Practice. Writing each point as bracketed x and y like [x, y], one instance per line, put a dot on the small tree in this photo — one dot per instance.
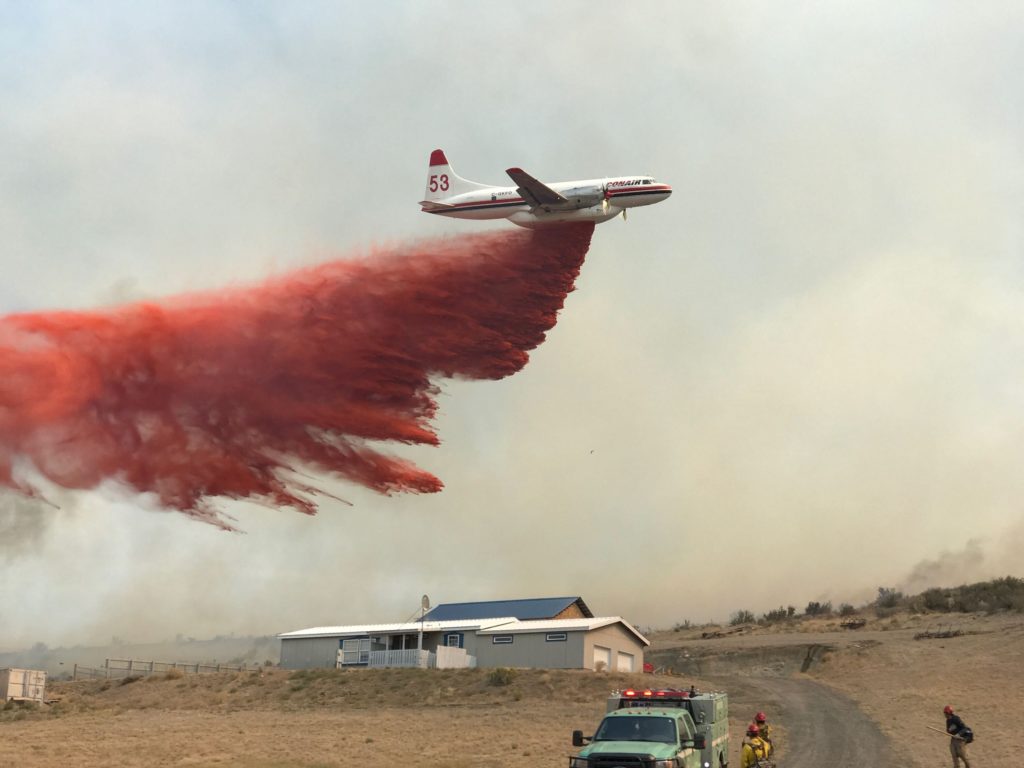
[774, 615]
[742, 616]
[888, 597]
[847, 610]
[815, 608]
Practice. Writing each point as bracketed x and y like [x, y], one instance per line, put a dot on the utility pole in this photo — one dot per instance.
[424, 605]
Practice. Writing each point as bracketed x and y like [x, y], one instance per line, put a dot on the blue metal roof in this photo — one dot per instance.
[525, 610]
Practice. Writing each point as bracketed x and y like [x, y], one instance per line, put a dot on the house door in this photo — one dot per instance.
[625, 662]
[602, 658]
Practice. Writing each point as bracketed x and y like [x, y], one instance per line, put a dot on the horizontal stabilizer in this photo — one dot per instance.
[431, 205]
[534, 192]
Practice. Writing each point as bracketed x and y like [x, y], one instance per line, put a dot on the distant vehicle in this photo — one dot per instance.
[532, 203]
[658, 729]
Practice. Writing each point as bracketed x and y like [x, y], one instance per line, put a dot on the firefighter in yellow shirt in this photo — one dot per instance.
[764, 731]
[754, 750]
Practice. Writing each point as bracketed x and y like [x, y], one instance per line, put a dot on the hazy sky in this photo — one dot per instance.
[797, 379]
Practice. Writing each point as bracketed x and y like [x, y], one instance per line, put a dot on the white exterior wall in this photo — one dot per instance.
[309, 652]
[532, 650]
[617, 639]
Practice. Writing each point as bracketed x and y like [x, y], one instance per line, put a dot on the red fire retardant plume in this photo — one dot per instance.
[222, 394]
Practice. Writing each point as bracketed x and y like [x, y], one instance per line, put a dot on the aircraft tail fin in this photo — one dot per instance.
[443, 182]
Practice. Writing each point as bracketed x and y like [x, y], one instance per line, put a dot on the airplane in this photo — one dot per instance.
[532, 203]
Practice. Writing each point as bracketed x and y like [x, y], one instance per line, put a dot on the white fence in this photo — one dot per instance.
[406, 658]
[453, 658]
[445, 658]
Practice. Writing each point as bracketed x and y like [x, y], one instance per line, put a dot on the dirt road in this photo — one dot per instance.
[822, 728]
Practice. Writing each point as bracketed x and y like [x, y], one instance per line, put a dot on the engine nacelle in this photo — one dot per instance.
[588, 194]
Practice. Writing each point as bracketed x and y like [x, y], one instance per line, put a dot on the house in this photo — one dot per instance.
[544, 633]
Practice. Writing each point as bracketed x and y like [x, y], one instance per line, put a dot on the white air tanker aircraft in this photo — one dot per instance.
[532, 203]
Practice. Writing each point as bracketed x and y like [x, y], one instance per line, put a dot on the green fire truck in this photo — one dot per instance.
[664, 728]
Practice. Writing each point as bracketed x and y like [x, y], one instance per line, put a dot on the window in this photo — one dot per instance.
[454, 640]
[555, 637]
[643, 728]
[502, 639]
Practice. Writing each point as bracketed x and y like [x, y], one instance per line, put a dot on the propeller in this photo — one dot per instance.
[605, 205]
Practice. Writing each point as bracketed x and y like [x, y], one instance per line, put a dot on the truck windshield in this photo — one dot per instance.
[637, 729]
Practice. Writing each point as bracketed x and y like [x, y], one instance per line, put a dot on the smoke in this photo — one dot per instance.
[948, 569]
[22, 524]
[978, 560]
[231, 395]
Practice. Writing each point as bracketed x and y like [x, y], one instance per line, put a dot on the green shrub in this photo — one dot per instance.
[818, 609]
[501, 676]
[888, 597]
[774, 615]
[1005, 594]
[935, 600]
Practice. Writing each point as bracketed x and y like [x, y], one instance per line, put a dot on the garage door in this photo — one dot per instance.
[625, 662]
[602, 658]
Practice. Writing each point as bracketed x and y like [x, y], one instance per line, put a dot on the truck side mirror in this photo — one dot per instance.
[699, 743]
[577, 738]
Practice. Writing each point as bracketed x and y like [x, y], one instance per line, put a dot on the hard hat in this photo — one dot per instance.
[753, 730]
[947, 710]
[760, 717]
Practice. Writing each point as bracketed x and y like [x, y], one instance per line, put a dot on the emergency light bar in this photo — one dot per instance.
[664, 693]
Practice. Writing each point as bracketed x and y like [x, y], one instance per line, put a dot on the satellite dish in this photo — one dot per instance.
[425, 603]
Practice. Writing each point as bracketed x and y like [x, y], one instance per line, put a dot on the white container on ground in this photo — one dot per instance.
[22, 684]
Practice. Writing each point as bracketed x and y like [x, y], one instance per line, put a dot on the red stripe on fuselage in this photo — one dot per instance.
[462, 206]
[648, 188]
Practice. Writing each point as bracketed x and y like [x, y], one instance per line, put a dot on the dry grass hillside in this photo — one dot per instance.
[896, 668]
[903, 684]
[310, 718]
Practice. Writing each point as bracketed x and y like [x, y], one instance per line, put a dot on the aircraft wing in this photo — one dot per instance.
[534, 192]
